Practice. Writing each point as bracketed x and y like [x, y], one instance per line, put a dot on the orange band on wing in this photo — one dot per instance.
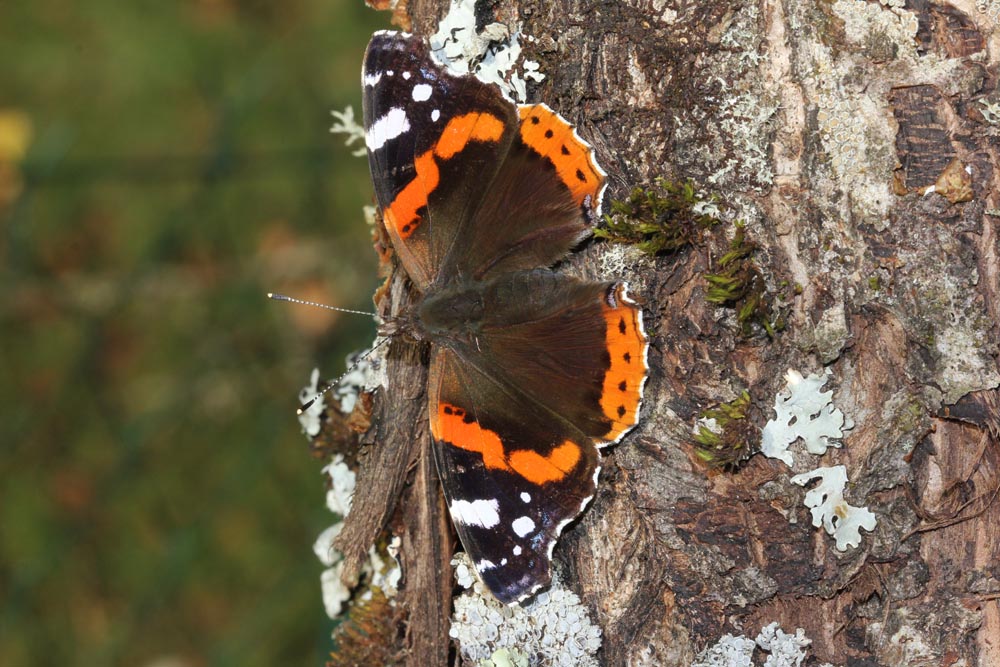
[548, 134]
[460, 130]
[403, 214]
[626, 342]
[539, 469]
[451, 425]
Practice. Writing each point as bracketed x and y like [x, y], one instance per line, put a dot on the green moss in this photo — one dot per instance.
[738, 283]
[874, 284]
[661, 218]
[666, 217]
[729, 444]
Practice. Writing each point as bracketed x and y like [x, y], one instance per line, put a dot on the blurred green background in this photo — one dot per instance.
[162, 166]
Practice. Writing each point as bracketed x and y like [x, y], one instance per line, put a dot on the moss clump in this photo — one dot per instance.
[738, 283]
[369, 634]
[662, 218]
[728, 443]
[666, 217]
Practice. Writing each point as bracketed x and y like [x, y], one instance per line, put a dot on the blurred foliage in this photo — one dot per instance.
[162, 166]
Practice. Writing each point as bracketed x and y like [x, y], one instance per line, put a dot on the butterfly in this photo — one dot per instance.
[531, 370]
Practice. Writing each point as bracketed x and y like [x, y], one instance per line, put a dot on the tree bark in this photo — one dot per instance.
[822, 126]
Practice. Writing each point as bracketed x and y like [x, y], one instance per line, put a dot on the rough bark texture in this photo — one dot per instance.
[821, 125]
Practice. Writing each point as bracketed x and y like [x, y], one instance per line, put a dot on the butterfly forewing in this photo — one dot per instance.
[434, 143]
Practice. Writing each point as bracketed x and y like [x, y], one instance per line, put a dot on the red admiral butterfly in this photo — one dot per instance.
[531, 370]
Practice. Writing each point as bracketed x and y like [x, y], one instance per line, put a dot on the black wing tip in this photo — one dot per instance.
[396, 39]
[516, 592]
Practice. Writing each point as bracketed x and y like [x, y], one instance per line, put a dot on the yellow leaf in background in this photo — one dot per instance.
[15, 134]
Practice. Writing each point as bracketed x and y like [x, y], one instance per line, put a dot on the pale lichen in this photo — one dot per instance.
[726, 133]
[990, 111]
[554, 629]
[338, 501]
[364, 374]
[964, 364]
[729, 651]
[802, 411]
[883, 32]
[854, 138]
[829, 508]
[924, 635]
[946, 318]
[782, 649]
[352, 131]
[383, 573]
[991, 8]
[830, 334]
[848, 64]
[342, 485]
[492, 54]
[311, 418]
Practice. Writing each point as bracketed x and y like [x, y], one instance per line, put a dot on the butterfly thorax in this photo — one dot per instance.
[454, 312]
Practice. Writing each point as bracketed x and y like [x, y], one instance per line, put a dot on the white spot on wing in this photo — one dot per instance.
[523, 526]
[388, 127]
[625, 296]
[435, 115]
[484, 565]
[525, 496]
[482, 513]
[422, 92]
[372, 79]
[406, 75]
[517, 550]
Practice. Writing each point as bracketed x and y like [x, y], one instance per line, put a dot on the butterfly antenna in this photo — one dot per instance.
[329, 385]
[282, 297]
[336, 383]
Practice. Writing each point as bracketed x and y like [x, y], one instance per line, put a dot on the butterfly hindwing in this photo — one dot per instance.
[577, 347]
[509, 492]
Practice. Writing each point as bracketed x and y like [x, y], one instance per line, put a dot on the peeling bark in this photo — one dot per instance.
[821, 125]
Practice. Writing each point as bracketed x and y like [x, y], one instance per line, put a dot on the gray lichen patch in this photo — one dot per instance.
[884, 32]
[934, 292]
[859, 148]
[923, 634]
[856, 140]
[850, 61]
[724, 133]
[957, 333]
[830, 334]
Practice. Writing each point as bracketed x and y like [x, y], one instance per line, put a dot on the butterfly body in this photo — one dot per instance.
[531, 370]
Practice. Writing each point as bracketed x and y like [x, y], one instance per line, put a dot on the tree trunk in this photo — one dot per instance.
[858, 143]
